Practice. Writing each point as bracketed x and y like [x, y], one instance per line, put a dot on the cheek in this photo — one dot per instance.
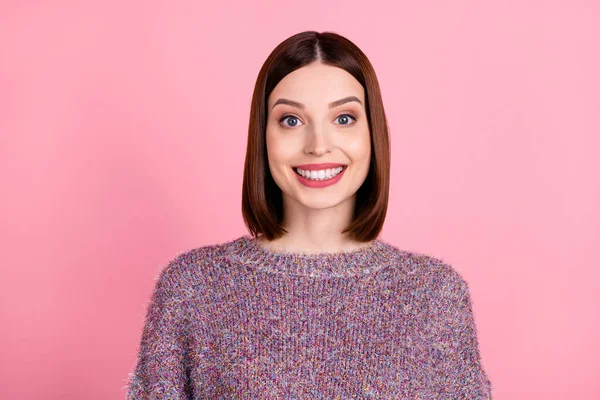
[279, 149]
[359, 148]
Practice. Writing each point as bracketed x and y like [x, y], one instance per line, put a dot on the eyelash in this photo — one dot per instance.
[290, 115]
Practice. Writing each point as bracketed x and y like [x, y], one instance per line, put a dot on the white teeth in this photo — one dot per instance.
[320, 174]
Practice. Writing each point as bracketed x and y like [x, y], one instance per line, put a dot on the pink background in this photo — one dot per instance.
[123, 131]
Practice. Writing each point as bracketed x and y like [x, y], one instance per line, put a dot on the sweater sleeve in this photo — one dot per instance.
[458, 372]
[160, 371]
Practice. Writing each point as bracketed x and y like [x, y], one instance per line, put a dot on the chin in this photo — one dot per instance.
[323, 202]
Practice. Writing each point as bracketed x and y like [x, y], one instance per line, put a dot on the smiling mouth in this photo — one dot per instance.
[325, 178]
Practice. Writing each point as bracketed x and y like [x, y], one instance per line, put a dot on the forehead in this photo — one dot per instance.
[317, 84]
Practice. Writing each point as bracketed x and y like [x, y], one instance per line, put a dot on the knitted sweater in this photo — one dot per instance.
[237, 320]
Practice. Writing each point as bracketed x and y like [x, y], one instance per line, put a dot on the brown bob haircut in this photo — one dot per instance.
[262, 200]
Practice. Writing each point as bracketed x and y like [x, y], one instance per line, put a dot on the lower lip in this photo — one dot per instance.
[319, 184]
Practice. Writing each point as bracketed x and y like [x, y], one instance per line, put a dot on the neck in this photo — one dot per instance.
[301, 243]
[314, 229]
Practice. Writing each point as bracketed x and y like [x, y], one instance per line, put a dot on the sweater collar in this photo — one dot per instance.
[362, 261]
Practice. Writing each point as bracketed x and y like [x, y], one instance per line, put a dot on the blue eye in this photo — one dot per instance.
[292, 118]
[345, 118]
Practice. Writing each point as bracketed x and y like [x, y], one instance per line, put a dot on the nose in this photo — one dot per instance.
[318, 141]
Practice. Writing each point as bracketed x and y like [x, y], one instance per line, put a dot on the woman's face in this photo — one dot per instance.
[317, 115]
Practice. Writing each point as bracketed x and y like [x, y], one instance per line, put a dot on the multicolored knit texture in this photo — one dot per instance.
[238, 320]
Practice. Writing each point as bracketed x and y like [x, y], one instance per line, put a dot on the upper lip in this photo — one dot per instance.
[319, 166]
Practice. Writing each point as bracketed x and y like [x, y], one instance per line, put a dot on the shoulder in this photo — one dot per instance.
[198, 255]
[442, 284]
[429, 275]
[195, 265]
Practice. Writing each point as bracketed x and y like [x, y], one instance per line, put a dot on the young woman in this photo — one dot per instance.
[312, 304]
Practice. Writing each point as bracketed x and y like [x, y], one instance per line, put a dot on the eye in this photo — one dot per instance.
[292, 120]
[345, 119]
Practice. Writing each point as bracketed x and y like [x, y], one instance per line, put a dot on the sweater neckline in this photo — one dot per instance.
[361, 261]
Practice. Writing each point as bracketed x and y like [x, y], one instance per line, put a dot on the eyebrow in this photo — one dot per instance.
[331, 105]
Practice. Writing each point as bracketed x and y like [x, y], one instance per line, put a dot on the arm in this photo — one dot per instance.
[454, 352]
[160, 371]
